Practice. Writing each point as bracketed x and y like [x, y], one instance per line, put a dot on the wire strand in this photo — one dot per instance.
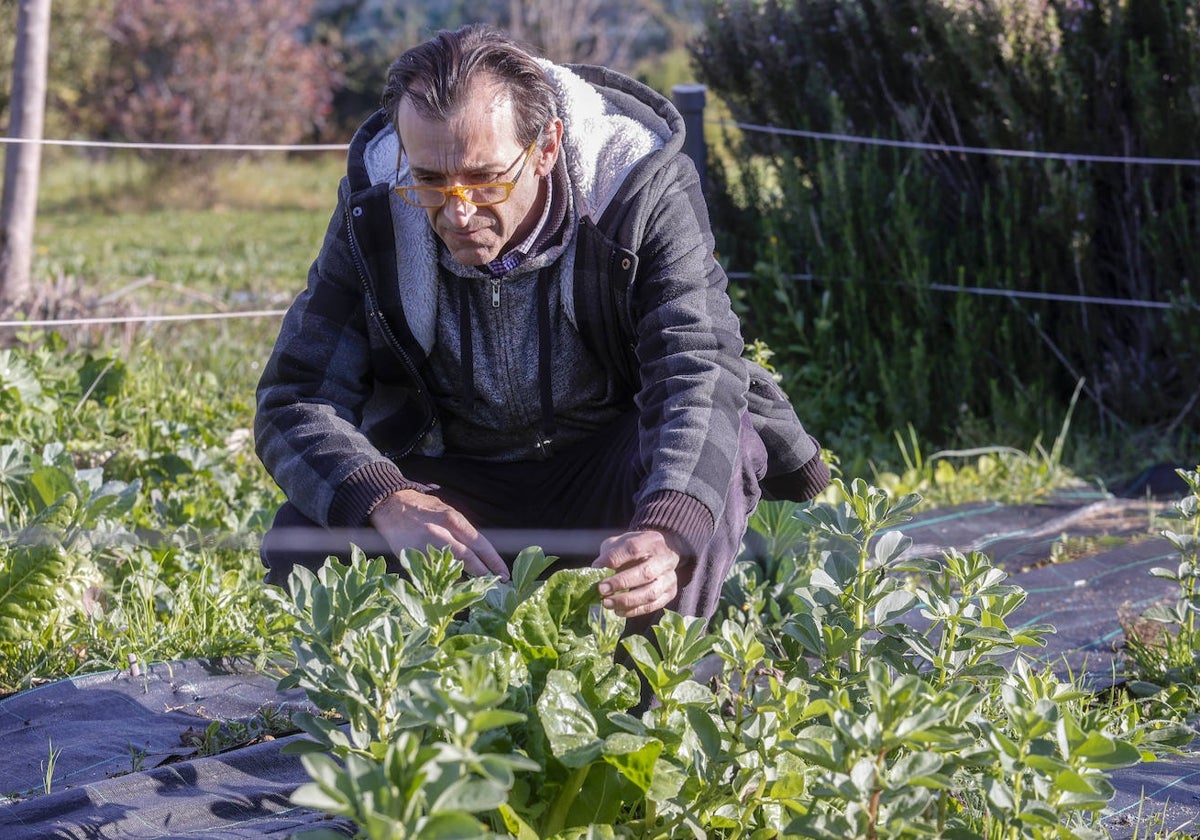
[983, 291]
[1034, 154]
[1015, 294]
[969, 150]
[142, 319]
[181, 147]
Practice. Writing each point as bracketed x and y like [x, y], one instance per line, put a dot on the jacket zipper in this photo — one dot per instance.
[393, 342]
[496, 293]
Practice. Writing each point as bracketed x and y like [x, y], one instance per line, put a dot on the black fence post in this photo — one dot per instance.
[689, 99]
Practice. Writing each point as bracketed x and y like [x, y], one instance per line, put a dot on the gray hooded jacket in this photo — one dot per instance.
[346, 394]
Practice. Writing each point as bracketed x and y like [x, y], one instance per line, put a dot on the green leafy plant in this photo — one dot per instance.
[1165, 653]
[431, 713]
[887, 698]
[122, 533]
[225, 735]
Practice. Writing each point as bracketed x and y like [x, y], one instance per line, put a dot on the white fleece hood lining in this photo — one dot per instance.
[600, 146]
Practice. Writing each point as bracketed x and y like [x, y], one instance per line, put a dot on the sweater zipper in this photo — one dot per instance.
[496, 293]
[376, 313]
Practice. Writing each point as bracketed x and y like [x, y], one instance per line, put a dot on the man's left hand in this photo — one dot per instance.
[645, 578]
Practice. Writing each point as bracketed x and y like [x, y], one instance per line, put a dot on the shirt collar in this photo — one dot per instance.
[511, 259]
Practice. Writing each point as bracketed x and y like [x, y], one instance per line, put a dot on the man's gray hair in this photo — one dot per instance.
[438, 76]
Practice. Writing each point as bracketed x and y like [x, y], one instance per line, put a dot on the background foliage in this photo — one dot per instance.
[77, 53]
[872, 343]
[222, 71]
[876, 341]
[318, 65]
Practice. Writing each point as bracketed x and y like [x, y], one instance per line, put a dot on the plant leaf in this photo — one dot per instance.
[30, 577]
[569, 725]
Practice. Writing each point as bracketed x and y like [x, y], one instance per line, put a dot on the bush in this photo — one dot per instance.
[222, 71]
[875, 341]
[76, 55]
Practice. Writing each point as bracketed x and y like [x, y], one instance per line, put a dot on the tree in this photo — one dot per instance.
[78, 53]
[22, 161]
[579, 30]
[367, 36]
[221, 71]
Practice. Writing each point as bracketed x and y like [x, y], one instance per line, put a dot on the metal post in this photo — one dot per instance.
[689, 99]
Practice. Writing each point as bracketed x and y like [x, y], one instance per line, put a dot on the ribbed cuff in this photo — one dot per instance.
[679, 514]
[799, 485]
[363, 490]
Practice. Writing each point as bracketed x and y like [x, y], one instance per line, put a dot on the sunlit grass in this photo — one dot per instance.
[239, 233]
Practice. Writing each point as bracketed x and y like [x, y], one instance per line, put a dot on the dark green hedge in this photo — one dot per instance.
[871, 343]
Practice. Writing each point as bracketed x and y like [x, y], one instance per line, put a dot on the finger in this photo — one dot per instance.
[489, 558]
[607, 548]
[635, 549]
[479, 559]
[473, 566]
[485, 560]
[643, 609]
[644, 573]
[644, 600]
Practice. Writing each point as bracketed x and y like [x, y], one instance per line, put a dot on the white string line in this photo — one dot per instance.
[182, 147]
[144, 319]
[765, 129]
[970, 150]
[983, 290]
[737, 275]
[847, 138]
[1012, 293]
[333, 541]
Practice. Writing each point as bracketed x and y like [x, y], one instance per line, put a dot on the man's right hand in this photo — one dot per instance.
[410, 519]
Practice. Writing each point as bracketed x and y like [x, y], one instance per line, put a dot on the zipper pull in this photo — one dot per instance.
[496, 293]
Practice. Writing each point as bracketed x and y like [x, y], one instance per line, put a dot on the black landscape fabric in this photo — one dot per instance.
[126, 764]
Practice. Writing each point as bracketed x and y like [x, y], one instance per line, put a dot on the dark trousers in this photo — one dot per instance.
[567, 505]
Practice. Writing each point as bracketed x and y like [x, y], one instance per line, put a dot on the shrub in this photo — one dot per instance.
[222, 71]
[887, 232]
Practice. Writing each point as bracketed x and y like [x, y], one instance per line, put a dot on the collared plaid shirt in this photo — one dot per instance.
[506, 263]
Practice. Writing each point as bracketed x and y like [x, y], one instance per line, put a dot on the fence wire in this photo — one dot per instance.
[1069, 157]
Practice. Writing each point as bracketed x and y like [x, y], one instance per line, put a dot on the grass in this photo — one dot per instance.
[121, 236]
[189, 585]
[124, 238]
[243, 233]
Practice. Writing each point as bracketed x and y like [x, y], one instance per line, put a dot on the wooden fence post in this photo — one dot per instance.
[22, 162]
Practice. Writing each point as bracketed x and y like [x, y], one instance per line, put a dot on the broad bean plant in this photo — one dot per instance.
[848, 689]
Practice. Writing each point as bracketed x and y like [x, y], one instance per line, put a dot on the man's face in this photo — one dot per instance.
[478, 145]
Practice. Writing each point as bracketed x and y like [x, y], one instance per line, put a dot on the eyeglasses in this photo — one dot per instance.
[480, 195]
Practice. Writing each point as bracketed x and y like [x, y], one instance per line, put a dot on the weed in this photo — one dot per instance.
[137, 759]
[1172, 657]
[47, 766]
[225, 735]
[998, 473]
[1069, 547]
